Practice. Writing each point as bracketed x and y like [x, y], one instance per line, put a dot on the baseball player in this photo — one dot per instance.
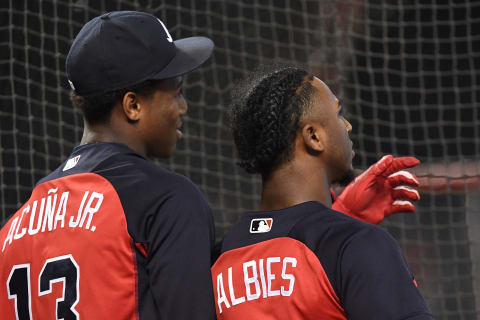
[109, 234]
[296, 258]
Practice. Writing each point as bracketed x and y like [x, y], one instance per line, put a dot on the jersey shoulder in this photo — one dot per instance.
[131, 171]
[337, 239]
[152, 194]
[144, 188]
[329, 233]
[334, 227]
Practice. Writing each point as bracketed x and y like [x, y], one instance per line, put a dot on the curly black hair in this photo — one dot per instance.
[97, 108]
[265, 115]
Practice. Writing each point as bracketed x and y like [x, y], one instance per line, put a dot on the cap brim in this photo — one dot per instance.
[191, 53]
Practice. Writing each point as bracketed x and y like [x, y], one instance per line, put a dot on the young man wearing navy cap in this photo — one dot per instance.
[109, 234]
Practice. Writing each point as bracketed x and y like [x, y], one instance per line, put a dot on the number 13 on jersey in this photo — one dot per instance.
[59, 269]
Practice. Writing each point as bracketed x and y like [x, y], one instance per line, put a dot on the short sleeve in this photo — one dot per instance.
[375, 280]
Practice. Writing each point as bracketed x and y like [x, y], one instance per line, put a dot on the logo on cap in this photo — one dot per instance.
[71, 84]
[169, 37]
[261, 225]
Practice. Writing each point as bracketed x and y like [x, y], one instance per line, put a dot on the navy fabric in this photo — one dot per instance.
[122, 48]
[364, 264]
[167, 213]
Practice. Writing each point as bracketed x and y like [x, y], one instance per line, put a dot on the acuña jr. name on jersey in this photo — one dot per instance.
[264, 278]
[51, 212]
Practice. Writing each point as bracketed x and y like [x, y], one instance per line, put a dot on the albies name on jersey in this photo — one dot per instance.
[51, 212]
[258, 281]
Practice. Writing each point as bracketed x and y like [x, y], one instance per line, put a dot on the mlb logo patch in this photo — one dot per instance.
[261, 225]
[71, 163]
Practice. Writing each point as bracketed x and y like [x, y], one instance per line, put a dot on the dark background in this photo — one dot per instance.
[407, 72]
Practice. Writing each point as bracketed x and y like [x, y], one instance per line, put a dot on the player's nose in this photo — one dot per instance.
[183, 106]
[347, 125]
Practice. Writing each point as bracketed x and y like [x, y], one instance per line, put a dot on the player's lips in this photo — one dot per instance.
[179, 132]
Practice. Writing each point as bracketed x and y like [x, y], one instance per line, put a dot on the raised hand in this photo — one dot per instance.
[382, 190]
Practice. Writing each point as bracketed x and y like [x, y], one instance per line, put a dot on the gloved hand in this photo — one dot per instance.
[382, 190]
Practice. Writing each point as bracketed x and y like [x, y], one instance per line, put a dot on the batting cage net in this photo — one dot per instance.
[407, 71]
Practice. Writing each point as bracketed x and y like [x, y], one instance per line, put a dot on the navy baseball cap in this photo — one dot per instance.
[123, 48]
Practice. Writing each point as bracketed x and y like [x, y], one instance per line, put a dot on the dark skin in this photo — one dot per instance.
[147, 124]
[322, 155]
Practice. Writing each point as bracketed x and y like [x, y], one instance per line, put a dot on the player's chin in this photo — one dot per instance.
[347, 177]
[170, 151]
[164, 151]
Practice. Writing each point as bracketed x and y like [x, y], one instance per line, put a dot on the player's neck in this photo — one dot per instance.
[293, 184]
[110, 133]
[97, 133]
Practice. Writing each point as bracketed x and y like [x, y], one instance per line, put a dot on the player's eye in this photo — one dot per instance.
[341, 112]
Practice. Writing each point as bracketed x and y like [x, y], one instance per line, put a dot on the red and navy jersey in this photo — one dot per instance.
[108, 235]
[310, 262]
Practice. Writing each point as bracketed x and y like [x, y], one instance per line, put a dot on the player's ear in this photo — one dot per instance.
[313, 137]
[131, 107]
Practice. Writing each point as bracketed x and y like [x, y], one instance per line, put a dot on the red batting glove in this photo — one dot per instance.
[382, 190]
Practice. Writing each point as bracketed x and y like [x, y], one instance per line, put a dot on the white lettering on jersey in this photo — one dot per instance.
[74, 224]
[31, 230]
[221, 296]
[91, 210]
[235, 301]
[250, 277]
[271, 276]
[262, 278]
[249, 280]
[9, 237]
[62, 210]
[287, 276]
[51, 213]
[24, 229]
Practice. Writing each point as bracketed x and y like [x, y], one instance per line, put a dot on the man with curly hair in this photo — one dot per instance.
[296, 258]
